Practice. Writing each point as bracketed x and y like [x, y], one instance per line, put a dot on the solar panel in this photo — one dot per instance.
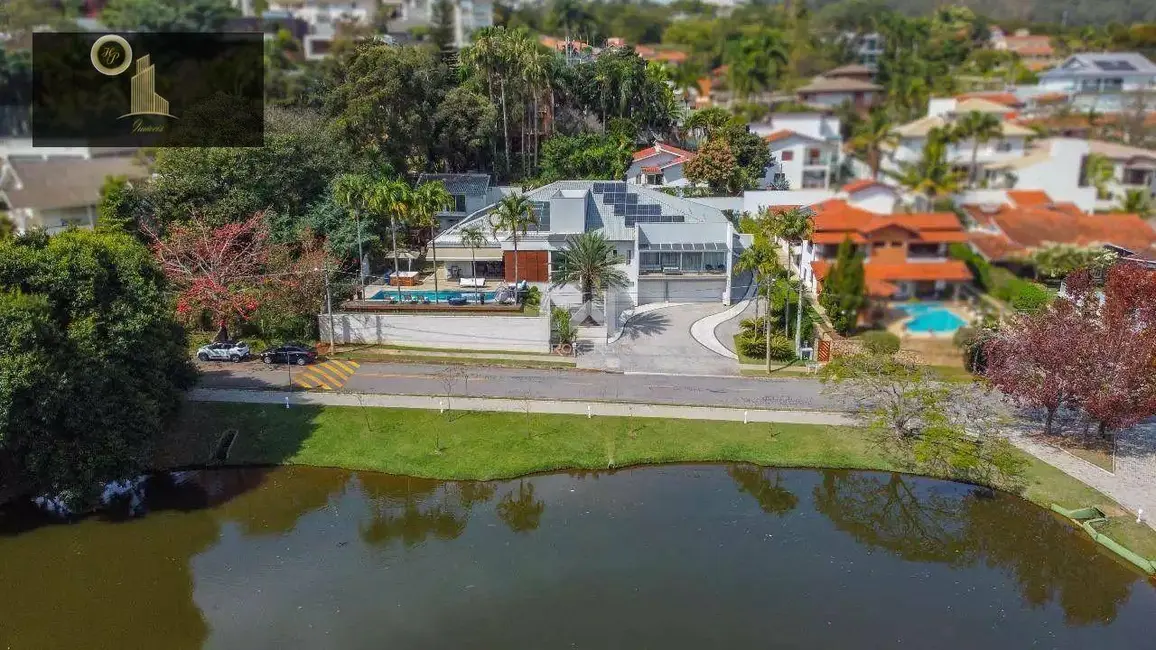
[632, 199]
[599, 188]
[1112, 66]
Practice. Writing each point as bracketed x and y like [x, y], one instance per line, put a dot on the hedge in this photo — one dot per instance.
[1021, 294]
[881, 342]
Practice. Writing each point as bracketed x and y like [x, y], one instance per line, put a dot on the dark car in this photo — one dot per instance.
[290, 353]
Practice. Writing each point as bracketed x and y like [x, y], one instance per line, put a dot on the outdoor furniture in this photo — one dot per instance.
[456, 301]
[471, 283]
[403, 279]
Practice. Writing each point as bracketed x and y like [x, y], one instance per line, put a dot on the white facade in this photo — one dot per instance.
[806, 148]
[468, 16]
[672, 249]
[659, 166]
[325, 12]
[1103, 72]
[876, 197]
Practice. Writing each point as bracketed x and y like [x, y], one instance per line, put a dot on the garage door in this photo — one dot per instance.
[681, 291]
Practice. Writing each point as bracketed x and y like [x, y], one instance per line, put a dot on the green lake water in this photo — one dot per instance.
[667, 557]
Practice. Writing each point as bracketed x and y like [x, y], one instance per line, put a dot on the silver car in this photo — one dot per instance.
[226, 351]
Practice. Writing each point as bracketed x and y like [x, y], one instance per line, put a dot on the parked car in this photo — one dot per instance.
[295, 353]
[224, 351]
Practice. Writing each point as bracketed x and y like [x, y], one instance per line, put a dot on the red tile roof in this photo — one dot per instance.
[781, 134]
[1032, 227]
[662, 147]
[1007, 99]
[838, 217]
[880, 276]
[862, 184]
[1029, 198]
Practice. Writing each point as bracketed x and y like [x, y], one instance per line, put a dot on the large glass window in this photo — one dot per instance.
[459, 202]
[716, 262]
[815, 179]
[691, 262]
[669, 260]
[649, 262]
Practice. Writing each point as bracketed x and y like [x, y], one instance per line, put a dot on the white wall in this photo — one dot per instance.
[469, 332]
[754, 202]
[988, 151]
[816, 125]
[634, 173]
[793, 169]
[941, 106]
[1059, 174]
[874, 199]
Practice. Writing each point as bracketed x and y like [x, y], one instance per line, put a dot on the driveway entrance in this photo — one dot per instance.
[660, 341]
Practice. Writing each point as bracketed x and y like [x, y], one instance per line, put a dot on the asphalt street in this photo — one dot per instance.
[471, 381]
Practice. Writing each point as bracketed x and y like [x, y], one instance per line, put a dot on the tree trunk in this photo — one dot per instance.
[514, 237]
[1048, 421]
[222, 333]
[505, 124]
[758, 290]
[473, 263]
[787, 298]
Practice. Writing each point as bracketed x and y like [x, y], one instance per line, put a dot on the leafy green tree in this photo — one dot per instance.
[466, 123]
[427, 200]
[121, 206]
[92, 360]
[168, 15]
[1137, 202]
[756, 61]
[514, 214]
[844, 288]
[591, 262]
[587, 156]
[442, 30]
[979, 128]
[1057, 260]
[1099, 171]
[761, 260]
[385, 100]
[716, 167]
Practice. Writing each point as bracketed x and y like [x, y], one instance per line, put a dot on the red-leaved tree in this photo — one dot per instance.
[1035, 359]
[215, 269]
[1120, 388]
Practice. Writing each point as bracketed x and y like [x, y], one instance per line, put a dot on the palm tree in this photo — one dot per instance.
[590, 261]
[489, 56]
[872, 136]
[514, 213]
[351, 191]
[793, 226]
[932, 175]
[756, 61]
[428, 200]
[392, 198]
[685, 78]
[762, 261]
[704, 123]
[1138, 202]
[1099, 171]
[979, 128]
[472, 236]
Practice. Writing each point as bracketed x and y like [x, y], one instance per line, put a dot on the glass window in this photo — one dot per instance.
[815, 157]
[787, 155]
[691, 262]
[815, 179]
[714, 261]
[669, 260]
[1003, 146]
[1137, 176]
[459, 202]
[654, 179]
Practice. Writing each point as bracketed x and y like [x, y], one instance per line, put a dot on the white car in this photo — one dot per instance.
[226, 351]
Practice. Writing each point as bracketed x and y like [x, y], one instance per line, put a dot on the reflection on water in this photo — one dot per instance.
[676, 557]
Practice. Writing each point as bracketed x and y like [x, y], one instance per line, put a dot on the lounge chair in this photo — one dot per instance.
[456, 301]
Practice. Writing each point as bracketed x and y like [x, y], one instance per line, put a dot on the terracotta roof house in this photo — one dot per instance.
[905, 254]
[659, 165]
[1005, 232]
[60, 192]
[1009, 101]
[837, 91]
[852, 71]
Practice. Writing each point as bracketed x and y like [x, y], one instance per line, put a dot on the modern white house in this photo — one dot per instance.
[673, 250]
[1010, 145]
[1101, 72]
[322, 12]
[58, 192]
[471, 193]
[468, 16]
[806, 150]
[1133, 169]
[660, 165]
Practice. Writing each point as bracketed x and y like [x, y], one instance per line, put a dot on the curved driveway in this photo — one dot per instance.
[660, 341]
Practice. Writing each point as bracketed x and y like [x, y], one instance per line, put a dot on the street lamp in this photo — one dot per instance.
[328, 304]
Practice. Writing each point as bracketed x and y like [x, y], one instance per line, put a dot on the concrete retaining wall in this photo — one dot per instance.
[515, 333]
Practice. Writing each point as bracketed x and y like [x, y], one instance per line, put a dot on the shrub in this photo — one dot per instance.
[880, 342]
[755, 346]
[533, 297]
[782, 349]
[1030, 297]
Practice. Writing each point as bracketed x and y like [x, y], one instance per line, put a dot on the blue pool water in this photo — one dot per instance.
[438, 296]
[931, 318]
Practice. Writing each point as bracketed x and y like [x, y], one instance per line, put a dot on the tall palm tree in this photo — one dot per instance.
[392, 198]
[793, 226]
[473, 237]
[351, 191]
[591, 262]
[1137, 202]
[515, 214]
[427, 201]
[762, 261]
[489, 56]
[932, 175]
[979, 128]
[756, 61]
[872, 136]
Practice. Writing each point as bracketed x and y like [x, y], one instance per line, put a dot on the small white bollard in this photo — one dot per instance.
[745, 414]
[286, 401]
[589, 412]
[441, 406]
[1140, 515]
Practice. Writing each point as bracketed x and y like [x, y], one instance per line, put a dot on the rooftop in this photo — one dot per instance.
[838, 84]
[836, 220]
[1019, 228]
[1095, 64]
[879, 277]
[468, 184]
[921, 127]
[681, 155]
[61, 182]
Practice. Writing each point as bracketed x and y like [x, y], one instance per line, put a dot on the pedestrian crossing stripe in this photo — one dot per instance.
[319, 371]
[343, 366]
[329, 367]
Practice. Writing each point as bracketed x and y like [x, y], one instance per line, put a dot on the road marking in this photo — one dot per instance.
[319, 371]
[341, 373]
[343, 366]
[302, 382]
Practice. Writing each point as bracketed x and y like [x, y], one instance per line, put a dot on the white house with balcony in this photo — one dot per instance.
[672, 249]
[944, 114]
[1104, 81]
[1133, 168]
[806, 149]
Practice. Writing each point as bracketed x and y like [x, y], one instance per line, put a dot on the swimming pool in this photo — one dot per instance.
[432, 296]
[931, 318]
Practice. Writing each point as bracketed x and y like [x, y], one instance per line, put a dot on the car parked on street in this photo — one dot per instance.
[234, 351]
[295, 353]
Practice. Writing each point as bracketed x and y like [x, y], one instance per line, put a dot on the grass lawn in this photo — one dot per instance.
[470, 445]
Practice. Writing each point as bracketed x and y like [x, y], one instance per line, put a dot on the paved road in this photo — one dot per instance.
[660, 341]
[422, 379]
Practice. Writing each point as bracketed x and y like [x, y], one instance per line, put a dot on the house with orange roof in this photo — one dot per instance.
[659, 165]
[904, 255]
[1007, 232]
[1035, 50]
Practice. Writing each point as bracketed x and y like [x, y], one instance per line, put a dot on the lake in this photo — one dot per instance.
[680, 556]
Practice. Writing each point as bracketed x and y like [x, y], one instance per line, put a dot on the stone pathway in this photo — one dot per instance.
[1132, 485]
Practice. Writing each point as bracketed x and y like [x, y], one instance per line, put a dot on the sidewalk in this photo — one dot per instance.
[383, 354]
[432, 402]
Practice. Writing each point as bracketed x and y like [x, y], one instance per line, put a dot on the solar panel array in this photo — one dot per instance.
[707, 246]
[1115, 66]
[626, 205]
